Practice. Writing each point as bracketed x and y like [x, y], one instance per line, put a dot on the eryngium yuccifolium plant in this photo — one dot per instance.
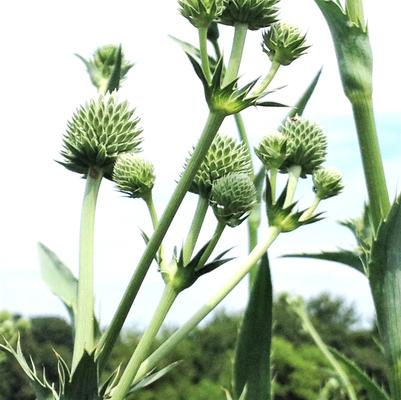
[233, 197]
[272, 150]
[306, 145]
[283, 43]
[224, 157]
[98, 132]
[254, 13]
[133, 175]
[201, 13]
[327, 183]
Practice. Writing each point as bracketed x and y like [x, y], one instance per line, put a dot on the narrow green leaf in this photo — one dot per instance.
[252, 356]
[373, 390]
[115, 77]
[347, 257]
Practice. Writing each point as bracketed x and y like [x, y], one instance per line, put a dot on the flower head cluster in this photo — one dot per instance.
[201, 13]
[283, 43]
[255, 14]
[133, 175]
[98, 132]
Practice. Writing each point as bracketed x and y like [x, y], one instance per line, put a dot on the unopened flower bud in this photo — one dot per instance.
[133, 175]
[255, 14]
[233, 197]
[201, 13]
[98, 132]
[306, 145]
[272, 150]
[283, 43]
[327, 183]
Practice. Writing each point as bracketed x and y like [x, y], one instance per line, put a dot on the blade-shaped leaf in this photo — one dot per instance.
[347, 257]
[252, 356]
[373, 390]
[115, 77]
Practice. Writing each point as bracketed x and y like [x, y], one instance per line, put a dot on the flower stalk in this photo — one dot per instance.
[267, 79]
[204, 53]
[294, 173]
[212, 244]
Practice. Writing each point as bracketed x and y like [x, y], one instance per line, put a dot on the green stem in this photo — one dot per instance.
[85, 321]
[236, 53]
[145, 344]
[213, 301]
[212, 244]
[294, 173]
[216, 48]
[267, 79]
[244, 137]
[273, 183]
[354, 9]
[371, 158]
[311, 210]
[204, 54]
[108, 339]
[194, 230]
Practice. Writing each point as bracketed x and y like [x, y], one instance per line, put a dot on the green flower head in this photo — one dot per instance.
[272, 150]
[306, 145]
[133, 175]
[201, 13]
[224, 157]
[98, 132]
[283, 43]
[254, 13]
[233, 197]
[327, 183]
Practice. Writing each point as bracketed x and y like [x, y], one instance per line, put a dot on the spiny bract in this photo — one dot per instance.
[225, 156]
[98, 132]
[255, 14]
[327, 183]
[133, 175]
[272, 150]
[306, 145]
[233, 197]
[201, 13]
[283, 43]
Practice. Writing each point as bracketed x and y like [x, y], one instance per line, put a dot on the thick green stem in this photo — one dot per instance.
[204, 54]
[311, 210]
[85, 321]
[294, 173]
[236, 53]
[108, 339]
[212, 244]
[354, 9]
[145, 344]
[267, 79]
[371, 158]
[194, 230]
[229, 285]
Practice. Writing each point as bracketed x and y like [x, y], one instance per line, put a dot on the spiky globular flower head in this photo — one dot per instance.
[272, 150]
[98, 132]
[283, 43]
[133, 175]
[233, 197]
[327, 183]
[254, 13]
[224, 157]
[306, 145]
[102, 64]
[201, 13]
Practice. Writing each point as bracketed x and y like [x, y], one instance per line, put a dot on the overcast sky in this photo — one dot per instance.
[43, 83]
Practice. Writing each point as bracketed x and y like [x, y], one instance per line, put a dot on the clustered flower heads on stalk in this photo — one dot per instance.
[98, 132]
[201, 13]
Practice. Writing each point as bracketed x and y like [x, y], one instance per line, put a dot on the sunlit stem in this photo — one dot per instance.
[311, 210]
[273, 183]
[267, 79]
[212, 244]
[145, 344]
[85, 321]
[244, 137]
[194, 230]
[204, 54]
[294, 173]
[354, 9]
[213, 301]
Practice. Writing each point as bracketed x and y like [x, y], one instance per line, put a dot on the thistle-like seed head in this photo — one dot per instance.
[327, 183]
[272, 150]
[133, 175]
[233, 197]
[201, 13]
[283, 43]
[306, 145]
[224, 157]
[254, 13]
[98, 132]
